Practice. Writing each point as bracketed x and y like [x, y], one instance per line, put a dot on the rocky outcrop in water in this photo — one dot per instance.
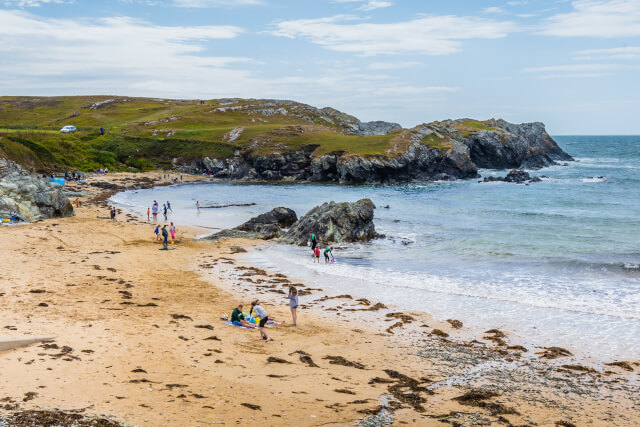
[447, 150]
[30, 196]
[266, 226]
[334, 222]
[517, 176]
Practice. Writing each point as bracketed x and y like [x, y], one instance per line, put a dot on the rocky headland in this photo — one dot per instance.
[447, 150]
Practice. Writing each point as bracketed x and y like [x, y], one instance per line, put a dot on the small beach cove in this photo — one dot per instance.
[139, 340]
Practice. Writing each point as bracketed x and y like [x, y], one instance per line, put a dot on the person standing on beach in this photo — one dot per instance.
[264, 318]
[157, 232]
[169, 206]
[293, 303]
[198, 205]
[148, 213]
[165, 237]
[316, 255]
[172, 230]
[314, 242]
[113, 214]
[164, 211]
[154, 210]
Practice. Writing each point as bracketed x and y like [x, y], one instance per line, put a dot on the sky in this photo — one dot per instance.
[574, 65]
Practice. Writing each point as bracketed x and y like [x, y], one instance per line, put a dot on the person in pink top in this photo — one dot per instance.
[172, 231]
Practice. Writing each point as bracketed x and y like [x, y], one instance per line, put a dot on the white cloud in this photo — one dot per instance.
[427, 35]
[382, 66]
[596, 18]
[32, 3]
[624, 53]
[214, 3]
[367, 4]
[573, 70]
[494, 9]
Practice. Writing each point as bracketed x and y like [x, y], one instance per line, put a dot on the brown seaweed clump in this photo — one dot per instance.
[478, 398]
[339, 360]
[554, 353]
[57, 418]
[455, 324]
[624, 365]
[407, 390]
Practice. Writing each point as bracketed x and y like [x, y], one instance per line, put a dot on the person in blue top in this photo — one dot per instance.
[157, 232]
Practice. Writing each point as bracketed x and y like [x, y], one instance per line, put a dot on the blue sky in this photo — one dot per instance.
[574, 65]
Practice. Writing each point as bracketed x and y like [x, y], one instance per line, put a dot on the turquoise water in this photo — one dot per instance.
[557, 262]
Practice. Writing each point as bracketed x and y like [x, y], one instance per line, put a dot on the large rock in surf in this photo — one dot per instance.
[517, 176]
[450, 149]
[30, 196]
[334, 222]
[265, 226]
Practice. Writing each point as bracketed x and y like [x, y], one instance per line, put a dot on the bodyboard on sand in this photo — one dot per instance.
[270, 324]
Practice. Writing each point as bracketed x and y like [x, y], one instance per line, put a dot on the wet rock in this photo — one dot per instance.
[266, 226]
[455, 324]
[334, 222]
[30, 196]
[516, 176]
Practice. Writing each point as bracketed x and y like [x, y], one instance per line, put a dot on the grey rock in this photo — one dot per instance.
[517, 176]
[265, 226]
[32, 197]
[334, 222]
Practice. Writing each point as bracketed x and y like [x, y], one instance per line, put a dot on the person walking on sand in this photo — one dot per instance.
[148, 210]
[154, 211]
[157, 232]
[264, 318]
[293, 303]
[172, 231]
[165, 237]
[113, 214]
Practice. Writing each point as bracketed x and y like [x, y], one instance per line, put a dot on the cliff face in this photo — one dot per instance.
[449, 149]
[30, 196]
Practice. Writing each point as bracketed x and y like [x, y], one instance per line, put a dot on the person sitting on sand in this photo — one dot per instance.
[293, 303]
[237, 318]
[165, 236]
[264, 318]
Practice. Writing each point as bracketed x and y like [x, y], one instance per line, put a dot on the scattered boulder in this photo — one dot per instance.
[334, 222]
[265, 226]
[30, 196]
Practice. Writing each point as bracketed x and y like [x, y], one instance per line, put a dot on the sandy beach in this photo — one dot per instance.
[139, 340]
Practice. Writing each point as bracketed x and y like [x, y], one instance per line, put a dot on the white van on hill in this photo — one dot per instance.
[68, 129]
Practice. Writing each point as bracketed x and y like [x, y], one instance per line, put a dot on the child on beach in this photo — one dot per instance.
[264, 318]
[164, 211]
[293, 303]
[327, 251]
[157, 232]
[172, 231]
[316, 255]
[169, 206]
[148, 214]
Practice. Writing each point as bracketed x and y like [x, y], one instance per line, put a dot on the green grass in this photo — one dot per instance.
[140, 135]
[468, 127]
[437, 142]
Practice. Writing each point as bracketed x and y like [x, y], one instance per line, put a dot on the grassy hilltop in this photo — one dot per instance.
[145, 133]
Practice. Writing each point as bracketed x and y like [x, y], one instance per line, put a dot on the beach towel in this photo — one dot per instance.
[270, 324]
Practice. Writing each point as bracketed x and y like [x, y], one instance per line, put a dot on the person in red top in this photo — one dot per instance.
[316, 255]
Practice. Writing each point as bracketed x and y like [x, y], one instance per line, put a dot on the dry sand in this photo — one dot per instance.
[138, 338]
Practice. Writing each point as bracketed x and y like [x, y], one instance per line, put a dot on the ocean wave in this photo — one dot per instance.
[594, 179]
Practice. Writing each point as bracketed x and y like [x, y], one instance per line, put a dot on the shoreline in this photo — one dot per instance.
[139, 339]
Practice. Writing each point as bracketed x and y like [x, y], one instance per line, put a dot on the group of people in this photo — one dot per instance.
[257, 317]
[155, 208]
[165, 234]
[73, 176]
[328, 251]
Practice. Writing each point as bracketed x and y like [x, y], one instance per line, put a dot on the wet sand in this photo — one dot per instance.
[139, 340]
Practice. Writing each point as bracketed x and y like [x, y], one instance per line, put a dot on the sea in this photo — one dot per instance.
[555, 262]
